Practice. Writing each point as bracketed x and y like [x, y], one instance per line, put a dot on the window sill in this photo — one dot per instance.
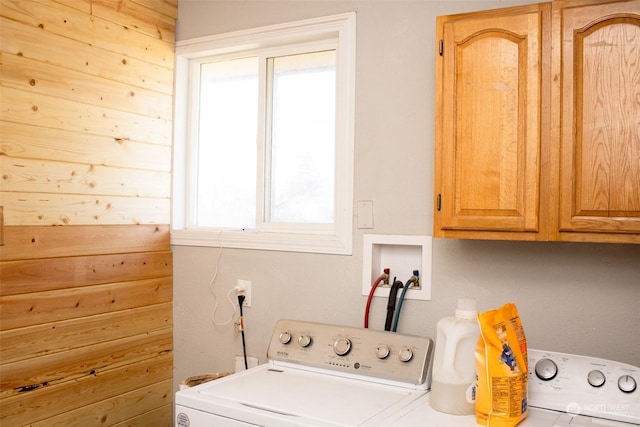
[288, 242]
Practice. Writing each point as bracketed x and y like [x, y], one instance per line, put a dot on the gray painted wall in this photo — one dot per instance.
[572, 297]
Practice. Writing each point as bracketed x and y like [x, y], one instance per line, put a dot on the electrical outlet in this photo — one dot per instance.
[251, 362]
[244, 287]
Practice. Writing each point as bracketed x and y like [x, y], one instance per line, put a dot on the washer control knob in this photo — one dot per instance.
[405, 355]
[285, 337]
[382, 351]
[342, 346]
[596, 378]
[546, 369]
[627, 384]
[304, 341]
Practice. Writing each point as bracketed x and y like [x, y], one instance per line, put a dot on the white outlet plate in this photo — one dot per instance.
[246, 285]
[251, 362]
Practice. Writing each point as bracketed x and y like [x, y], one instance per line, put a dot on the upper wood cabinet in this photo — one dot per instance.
[537, 118]
[598, 102]
[489, 103]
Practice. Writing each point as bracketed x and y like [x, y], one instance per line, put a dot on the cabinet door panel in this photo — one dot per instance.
[489, 141]
[600, 136]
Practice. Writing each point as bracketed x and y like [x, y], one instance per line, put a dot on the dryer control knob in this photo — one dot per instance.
[342, 346]
[382, 352]
[304, 341]
[596, 378]
[627, 384]
[546, 369]
[405, 355]
[285, 337]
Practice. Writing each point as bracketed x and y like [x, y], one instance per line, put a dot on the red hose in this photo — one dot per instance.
[382, 277]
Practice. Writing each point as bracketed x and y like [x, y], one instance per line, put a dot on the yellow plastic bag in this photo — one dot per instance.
[501, 368]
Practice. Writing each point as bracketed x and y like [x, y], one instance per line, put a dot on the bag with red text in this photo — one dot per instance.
[501, 368]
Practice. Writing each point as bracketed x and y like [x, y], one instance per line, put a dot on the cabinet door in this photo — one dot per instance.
[488, 122]
[600, 122]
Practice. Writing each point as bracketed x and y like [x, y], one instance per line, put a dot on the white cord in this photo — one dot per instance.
[213, 291]
[215, 307]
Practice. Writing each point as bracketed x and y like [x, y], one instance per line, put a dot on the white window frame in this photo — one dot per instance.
[337, 238]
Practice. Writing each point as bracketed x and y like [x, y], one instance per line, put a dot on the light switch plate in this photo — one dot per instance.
[365, 213]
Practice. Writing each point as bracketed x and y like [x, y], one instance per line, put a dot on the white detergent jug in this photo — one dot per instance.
[454, 368]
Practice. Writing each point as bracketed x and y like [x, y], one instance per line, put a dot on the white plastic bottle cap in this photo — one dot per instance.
[466, 308]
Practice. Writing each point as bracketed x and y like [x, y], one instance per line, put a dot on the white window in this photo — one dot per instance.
[263, 141]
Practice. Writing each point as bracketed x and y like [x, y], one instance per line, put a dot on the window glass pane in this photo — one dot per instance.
[226, 177]
[301, 164]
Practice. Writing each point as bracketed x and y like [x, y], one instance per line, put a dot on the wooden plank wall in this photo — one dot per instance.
[86, 330]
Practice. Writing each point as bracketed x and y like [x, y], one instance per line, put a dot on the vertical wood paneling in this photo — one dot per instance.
[50, 111]
[23, 40]
[28, 141]
[82, 27]
[43, 176]
[152, 402]
[48, 242]
[47, 307]
[58, 368]
[81, 5]
[85, 157]
[54, 337]
[82, 209]
[33, 76]
[41, 403]
[145, 16]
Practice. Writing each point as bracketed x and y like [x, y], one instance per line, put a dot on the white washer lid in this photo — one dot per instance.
[296, 396]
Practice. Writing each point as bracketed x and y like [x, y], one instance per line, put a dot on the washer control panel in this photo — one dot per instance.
[371, 353]
[582, 385]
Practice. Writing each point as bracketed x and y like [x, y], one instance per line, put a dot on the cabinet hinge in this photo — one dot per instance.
[439, 203]
[441, 47]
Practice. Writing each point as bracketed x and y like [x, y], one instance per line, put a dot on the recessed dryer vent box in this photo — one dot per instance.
[400, 254]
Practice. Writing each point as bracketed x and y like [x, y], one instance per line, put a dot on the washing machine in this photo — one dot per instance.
[317, 375]
[564, 390]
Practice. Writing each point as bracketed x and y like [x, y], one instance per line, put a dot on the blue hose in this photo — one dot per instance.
[401, 300]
